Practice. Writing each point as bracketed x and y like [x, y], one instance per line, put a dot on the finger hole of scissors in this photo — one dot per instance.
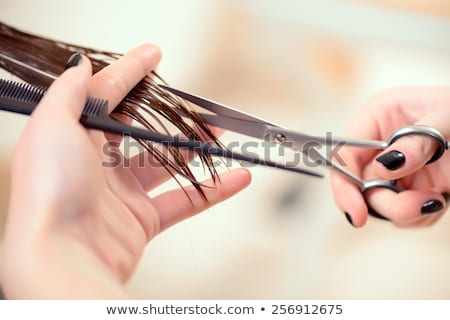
[374, 213]
[378, 184]
[433, 133]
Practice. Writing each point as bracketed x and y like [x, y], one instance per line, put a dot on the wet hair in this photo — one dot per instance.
[39, 60]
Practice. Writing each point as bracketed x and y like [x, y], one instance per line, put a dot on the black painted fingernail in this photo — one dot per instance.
[349, 218]
[392, 160]
[74, 60]
[432, 206]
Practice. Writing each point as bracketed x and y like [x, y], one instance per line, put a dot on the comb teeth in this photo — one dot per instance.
[21, 91]
[93, 107]
[28, 93]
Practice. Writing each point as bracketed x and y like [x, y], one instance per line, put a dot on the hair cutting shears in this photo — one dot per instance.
[231, 119]
[23, 98]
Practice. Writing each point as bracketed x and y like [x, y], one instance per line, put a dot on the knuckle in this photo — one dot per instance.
[118, 83]
[423, 145]
[109, 82]
[420, 143]
[382, 97]
[138, 64]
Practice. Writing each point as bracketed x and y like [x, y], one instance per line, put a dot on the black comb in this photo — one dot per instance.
[23, 98]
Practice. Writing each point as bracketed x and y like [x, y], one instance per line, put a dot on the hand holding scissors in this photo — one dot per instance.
[426, 184]
[405, 184]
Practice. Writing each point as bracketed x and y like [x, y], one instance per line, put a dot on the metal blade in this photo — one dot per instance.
[248, 128]
[300, 140]
[216, 107]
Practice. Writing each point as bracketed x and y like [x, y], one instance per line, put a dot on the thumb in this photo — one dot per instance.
[68, 93]
[411, 152]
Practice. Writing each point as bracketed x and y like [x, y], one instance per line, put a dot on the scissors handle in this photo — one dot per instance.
[431, 132]
[379, 184]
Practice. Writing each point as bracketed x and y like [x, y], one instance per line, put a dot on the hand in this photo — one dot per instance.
[427, 186]
[76, 229]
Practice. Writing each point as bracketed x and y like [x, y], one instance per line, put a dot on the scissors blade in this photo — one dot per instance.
[300, 140]
[217, 108]
[248, 128]
[238, 121]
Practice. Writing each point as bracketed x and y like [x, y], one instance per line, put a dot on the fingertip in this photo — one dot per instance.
[433, 206]
[407, 206]
[73, 61]
[349, 200]
[355, 224]
[77, 62]
[69, 91]
[149, 54]
[240, 178]
[405, 156]
[391, 160]
[152, 50]
[357, 215]
[115, 81]
[349, 218]
[76, 75]
[393, 164]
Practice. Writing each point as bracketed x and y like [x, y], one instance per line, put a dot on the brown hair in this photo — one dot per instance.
[38, 60]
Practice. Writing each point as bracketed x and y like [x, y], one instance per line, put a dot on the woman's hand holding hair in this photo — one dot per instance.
[77, 229]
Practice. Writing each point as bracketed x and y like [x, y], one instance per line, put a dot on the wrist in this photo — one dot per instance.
[56, 269]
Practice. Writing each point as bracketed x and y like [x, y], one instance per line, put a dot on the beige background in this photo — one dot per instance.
[309, 65]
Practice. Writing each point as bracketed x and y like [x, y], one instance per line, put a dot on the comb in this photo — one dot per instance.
[23, 98]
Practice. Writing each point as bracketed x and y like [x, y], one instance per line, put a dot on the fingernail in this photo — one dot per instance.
[349, 218]
[74, 60]
[432, 206]
[392, 160]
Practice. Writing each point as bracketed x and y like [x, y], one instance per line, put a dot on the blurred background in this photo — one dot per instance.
[308, 65]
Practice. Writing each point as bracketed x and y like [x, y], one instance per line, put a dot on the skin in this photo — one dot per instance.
[77, 229]
[385, 113]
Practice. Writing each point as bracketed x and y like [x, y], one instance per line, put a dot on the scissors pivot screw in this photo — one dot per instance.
[280, 137]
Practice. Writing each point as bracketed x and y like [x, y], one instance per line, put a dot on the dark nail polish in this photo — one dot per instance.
[73, 61]
[349, 218]
[432, 206]
[392, 160]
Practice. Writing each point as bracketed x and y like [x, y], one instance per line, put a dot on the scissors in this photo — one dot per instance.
[23, 98]
[237, 121]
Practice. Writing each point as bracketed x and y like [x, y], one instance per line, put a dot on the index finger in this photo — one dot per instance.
[116, 80]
